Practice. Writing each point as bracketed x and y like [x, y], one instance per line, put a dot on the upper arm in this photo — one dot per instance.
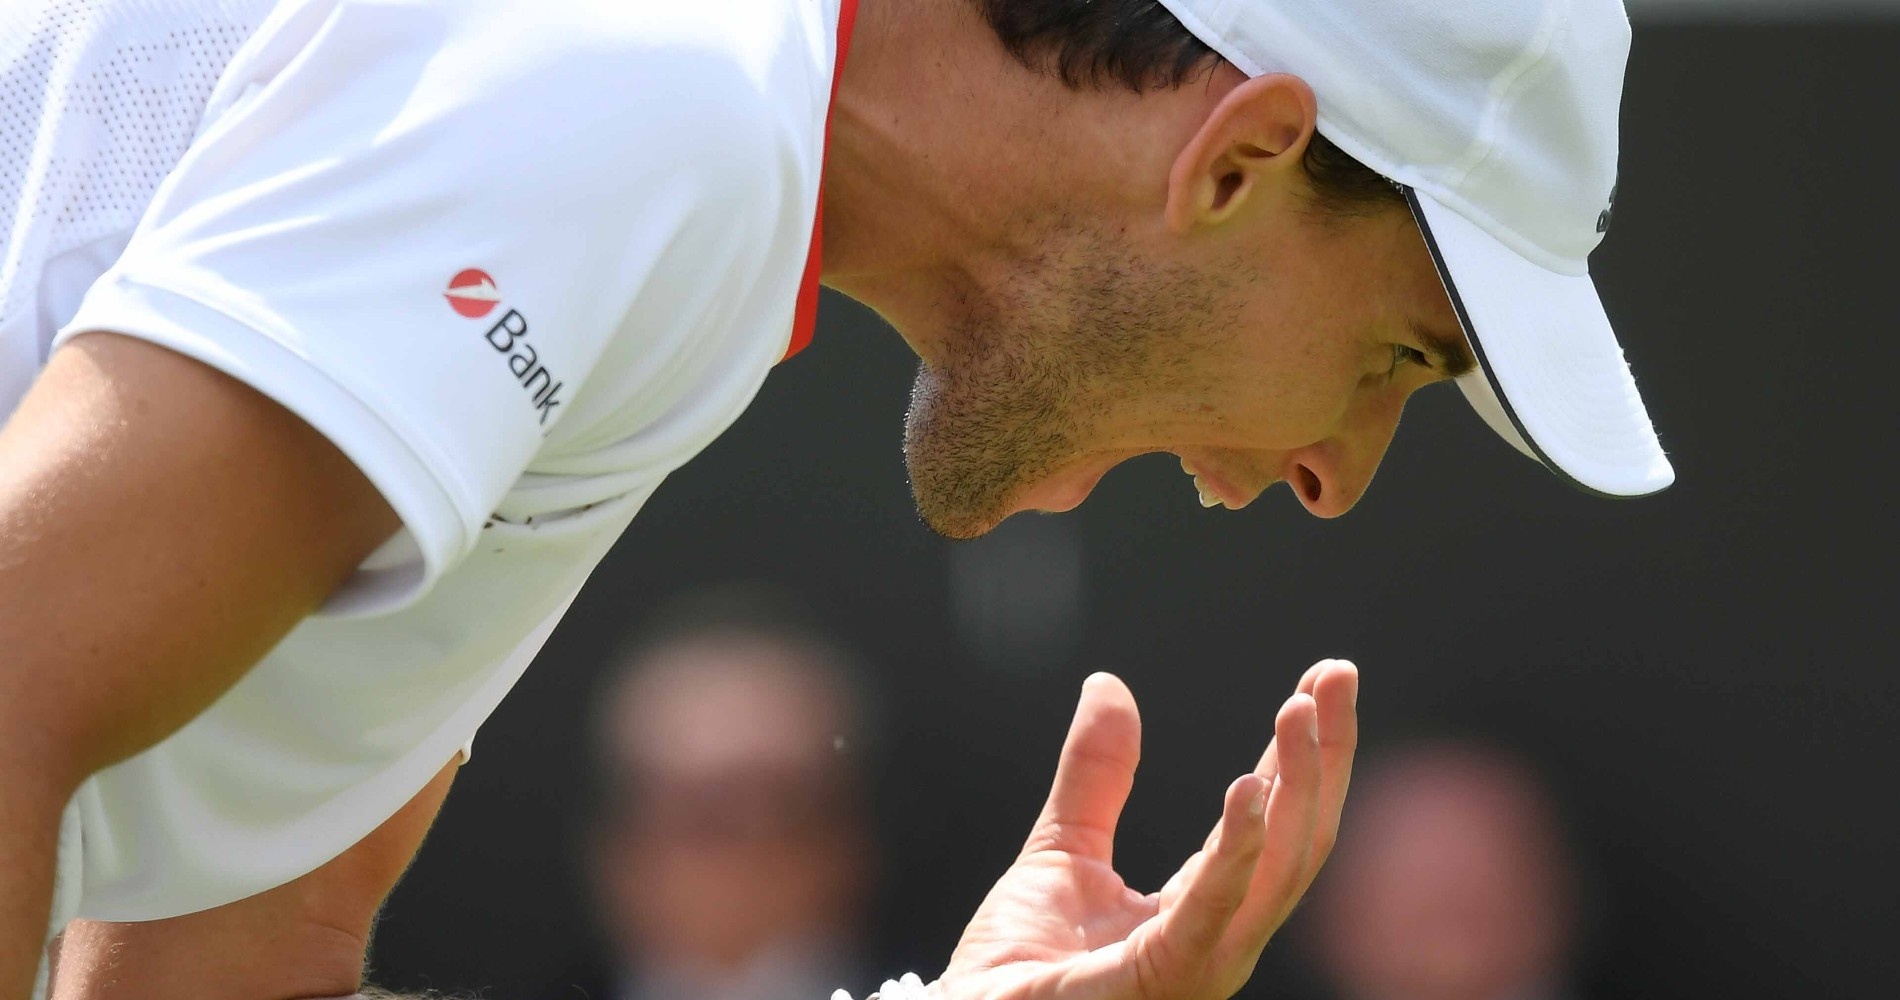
[358, 160]
[420, 227]
[162, 526]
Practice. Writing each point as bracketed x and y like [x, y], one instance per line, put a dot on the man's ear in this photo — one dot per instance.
[1248, 145]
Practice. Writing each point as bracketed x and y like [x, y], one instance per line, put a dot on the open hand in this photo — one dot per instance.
[1062, 925]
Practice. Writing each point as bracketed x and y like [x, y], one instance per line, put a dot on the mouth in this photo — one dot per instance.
[1214, 490]
[1066, 488]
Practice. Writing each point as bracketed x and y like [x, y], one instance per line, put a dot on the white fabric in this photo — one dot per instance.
[1503, 113]
[907, 987]
[286, 191]
[1476, 386]
[97, 102]
[1561, 353]
[800, 965]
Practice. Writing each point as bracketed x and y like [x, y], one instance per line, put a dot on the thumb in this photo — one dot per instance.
[1095, 774]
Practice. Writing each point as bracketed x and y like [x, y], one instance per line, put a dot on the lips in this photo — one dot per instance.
[1209, 496]
[1065, 491]
[1215, 491]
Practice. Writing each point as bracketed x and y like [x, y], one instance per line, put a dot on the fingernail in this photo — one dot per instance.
[1312, 718]
[1257, 807]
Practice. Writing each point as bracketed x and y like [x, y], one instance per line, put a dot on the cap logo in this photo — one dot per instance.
[1603, 220]
[473, 294]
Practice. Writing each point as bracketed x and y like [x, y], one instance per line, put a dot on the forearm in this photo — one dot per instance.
[305, 938]
[375, 993]
[165, 958]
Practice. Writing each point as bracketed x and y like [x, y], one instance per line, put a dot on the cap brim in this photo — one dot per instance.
[1551, 377]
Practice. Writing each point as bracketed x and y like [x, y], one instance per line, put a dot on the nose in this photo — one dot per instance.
[1331, 475]
[1324, 480]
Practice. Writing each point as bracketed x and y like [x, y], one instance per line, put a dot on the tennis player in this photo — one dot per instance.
[341, 338]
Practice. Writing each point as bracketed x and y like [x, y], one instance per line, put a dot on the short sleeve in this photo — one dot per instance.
[417, 225]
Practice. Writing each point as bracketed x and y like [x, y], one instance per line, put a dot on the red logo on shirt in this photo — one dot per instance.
[473, 294]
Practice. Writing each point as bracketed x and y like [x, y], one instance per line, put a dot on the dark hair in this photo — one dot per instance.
[1139, 44]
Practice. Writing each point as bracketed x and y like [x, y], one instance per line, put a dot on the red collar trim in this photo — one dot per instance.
[805, 315]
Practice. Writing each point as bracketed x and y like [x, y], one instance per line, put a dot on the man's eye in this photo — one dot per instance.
[1402, 354]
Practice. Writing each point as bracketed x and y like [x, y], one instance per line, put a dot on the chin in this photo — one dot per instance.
[952, 521]
[959, 502]
[979, 450]
[966, 513]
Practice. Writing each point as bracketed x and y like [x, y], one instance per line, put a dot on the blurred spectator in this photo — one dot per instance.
[731, 855]
[1451, 881]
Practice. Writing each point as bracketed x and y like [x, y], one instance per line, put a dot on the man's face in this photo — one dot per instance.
[734, 825]
[1281, 350]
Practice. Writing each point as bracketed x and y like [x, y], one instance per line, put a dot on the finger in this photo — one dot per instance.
[1310, 680]
[1335, 687]
[1336, 692]
[1170, 893]
[1269, 766]
[1174, 955]
[1094, 775]
[1293, 813]
[1310, 684]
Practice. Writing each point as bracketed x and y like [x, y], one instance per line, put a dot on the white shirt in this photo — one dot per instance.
[518, 261]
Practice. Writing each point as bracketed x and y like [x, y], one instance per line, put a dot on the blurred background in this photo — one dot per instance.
[787, 737]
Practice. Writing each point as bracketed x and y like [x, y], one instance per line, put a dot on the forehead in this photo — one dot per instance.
[709, 703]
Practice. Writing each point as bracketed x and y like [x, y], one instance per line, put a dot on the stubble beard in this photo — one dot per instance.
[978, 432]
[1032, 369]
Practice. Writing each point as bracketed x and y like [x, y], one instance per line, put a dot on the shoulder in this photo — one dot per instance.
[722, 90]
[711, 70]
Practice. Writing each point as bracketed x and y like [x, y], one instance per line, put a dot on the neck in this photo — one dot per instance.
[948, 156]
[905, 185]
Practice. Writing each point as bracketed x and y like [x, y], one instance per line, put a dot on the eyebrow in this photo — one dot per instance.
[1452, 353]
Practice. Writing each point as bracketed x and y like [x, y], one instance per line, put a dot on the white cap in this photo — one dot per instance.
[1499, 120]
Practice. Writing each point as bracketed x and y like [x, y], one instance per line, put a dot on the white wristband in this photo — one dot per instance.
[909, 987]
